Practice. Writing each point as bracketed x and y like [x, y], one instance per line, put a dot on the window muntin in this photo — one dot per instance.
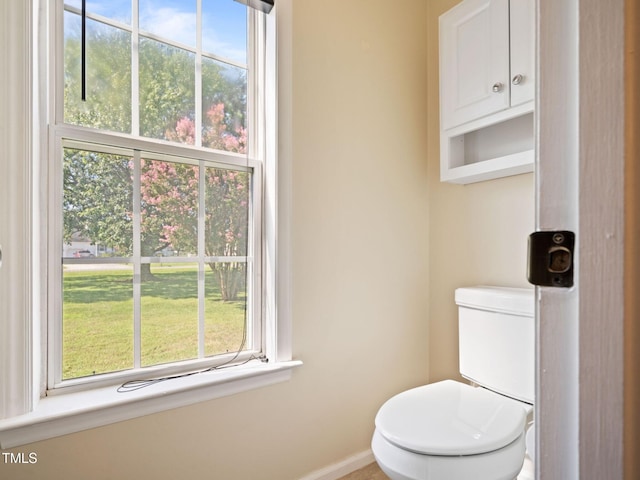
[210, 279]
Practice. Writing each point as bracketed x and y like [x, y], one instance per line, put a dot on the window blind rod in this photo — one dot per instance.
[83, 54]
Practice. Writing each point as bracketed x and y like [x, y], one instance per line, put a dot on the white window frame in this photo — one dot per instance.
[79, 138]
[26, 415]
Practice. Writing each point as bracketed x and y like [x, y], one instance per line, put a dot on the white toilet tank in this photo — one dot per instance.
[497, 339]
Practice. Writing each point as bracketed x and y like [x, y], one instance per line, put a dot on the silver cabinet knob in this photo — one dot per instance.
[517, 80]
[497, 87]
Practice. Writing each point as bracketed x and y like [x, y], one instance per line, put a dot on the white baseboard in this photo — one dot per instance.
[340, 469]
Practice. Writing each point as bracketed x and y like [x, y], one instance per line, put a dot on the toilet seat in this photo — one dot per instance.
[449, 418]
[400, 464]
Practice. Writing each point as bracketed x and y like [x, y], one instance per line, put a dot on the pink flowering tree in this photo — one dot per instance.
[226, 207]
[169, 206]
[170, 201]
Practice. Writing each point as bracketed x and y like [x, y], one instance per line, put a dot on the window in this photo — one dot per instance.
[156, 181]
[93, 253]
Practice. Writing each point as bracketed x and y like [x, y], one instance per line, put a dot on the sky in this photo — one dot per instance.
[223, 25]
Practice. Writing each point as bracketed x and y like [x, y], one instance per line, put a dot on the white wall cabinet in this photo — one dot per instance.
[487, 85]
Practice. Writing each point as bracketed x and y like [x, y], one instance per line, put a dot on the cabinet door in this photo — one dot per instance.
[522, 13]
[474, 61]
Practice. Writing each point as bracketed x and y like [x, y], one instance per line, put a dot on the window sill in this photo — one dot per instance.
[73, 412]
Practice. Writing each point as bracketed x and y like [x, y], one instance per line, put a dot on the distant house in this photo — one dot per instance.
[81, 247]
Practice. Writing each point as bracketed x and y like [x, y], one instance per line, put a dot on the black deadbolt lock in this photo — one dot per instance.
[551, 259]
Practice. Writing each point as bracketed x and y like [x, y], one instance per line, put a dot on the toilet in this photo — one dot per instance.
[451, 430]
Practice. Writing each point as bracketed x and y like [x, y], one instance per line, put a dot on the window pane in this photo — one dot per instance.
[225, 320]
[119, 10]
[169, 309]
[169, 208]
[172, 20]
[224, 29]
[97, 203]
[97, 325]
[224, 106]
[108, 76]
[226, 212]
[167, 92]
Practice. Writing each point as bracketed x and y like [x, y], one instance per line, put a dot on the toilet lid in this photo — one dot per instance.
[450, 418]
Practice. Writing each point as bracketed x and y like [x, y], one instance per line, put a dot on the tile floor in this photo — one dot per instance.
[373, 472]
[370, 472]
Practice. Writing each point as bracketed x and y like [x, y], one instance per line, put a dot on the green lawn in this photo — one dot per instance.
[98, 319]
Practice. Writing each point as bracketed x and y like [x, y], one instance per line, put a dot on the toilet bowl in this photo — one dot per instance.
[530, 442]
[454, 431]
[450, 430]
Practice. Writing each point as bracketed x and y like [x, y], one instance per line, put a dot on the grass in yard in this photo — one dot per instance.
[98, 319]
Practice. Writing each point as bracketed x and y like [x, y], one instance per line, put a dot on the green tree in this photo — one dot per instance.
[98, 199]
[167, 87]
[108, 77]
[98, 193]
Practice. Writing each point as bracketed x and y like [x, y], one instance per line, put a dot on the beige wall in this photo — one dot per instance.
[478, 232]
[379, 246]
[359, 271]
